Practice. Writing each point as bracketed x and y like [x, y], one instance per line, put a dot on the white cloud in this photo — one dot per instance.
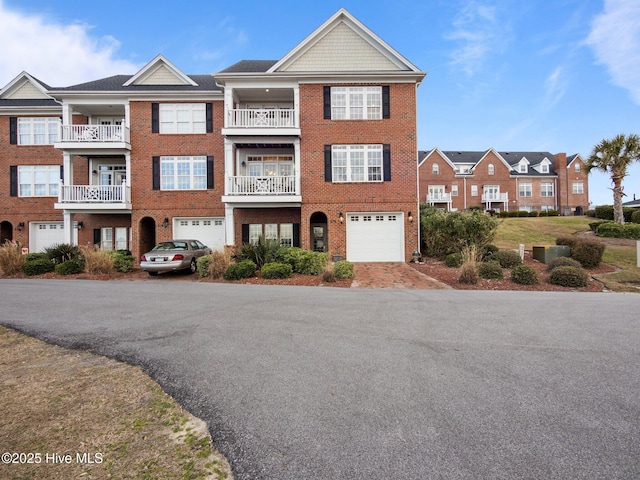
[478, 33]
[59, 55]
[555, 87]
[615, 40]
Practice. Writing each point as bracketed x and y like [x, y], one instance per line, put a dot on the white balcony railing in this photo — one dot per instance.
[269, 185]
[495, 197]
[100, 194]
[262, 118]
[94, 133]
[438, 198]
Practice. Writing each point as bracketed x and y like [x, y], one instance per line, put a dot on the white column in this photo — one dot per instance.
[296, 159]
[228, 105]
[229, 161]
[67, 164]
[229, 225]
[68, 227]
[296, 105]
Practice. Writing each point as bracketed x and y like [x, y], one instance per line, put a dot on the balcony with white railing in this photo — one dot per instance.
[495, 197]
[438, 198]
[261, 190]
[277, 121]
[94, 197]
[94, 136]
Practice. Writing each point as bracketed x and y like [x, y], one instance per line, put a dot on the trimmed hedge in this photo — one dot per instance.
[490, 270]
[507, 258]
[563, 262]
[70, 267]
[635, 216]
[202, 264]
[613, 230]
[343, 269]
[568, 241]
[524, 275]
[38, 267]
[569, 277]
[240, 270]
[123, 261]
[303, 261]
[589, 254]
[605, 212]
[276, 270]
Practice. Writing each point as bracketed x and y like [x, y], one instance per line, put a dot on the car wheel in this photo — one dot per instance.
[193, 267]
[153, 274]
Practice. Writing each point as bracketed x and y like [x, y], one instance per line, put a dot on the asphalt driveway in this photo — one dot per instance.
[325, 383]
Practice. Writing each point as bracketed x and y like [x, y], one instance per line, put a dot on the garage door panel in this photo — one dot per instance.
[209, 230]
[375, 237]
[43, 235]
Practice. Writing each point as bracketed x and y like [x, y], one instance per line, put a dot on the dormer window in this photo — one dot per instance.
[544, 168]
[491, 169]
[522, 167]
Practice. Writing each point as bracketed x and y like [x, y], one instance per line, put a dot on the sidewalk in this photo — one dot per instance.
[393, 275]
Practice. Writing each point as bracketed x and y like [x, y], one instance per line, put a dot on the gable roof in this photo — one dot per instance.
[160, 71]
[25, 92]
[573, 157]
[423, 155]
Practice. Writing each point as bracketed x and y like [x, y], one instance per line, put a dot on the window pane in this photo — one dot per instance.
[286, 234]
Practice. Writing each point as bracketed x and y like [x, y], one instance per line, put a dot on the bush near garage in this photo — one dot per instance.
[567, 276]
[303, 261]
[343, 269]
[63, 252]
[240, 270]
[563, 262]
[70, 267]
[524, 275]
[202, 265]
[507, 258]
[276, 270]
[490, 270]
[38, 267]
[589, 254]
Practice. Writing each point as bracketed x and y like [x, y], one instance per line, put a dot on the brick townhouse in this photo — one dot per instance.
[503, 181]
[316, 149]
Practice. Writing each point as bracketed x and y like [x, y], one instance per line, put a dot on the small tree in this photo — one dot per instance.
[614, 157]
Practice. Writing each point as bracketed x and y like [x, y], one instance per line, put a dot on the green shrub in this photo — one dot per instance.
[70, 267]
[524, 275]
[605, 212]
[589, 254]
[62, 252]
[122, 261]
[490, 270]
[568, 241]
[38, 267]
[635, 216]
[594, 225]
[533, 213]
[30, 257]
[468, 274]
[343, 269]
[563, 262]
[488, 251]
[202, 265]
[240, 270]
[544, 213]
[613, 230]
[569, 277]
[503, 214]
[303, 261]
[523, 213]
[264, 251]
[590, 213]
[552, 213]
[276, 270]
[453, 260]
[507, 258]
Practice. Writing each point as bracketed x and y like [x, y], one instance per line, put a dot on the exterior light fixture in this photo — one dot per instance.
[20, 226]
[410, 217]
[80, 225]
[341, 217]
[165, 224]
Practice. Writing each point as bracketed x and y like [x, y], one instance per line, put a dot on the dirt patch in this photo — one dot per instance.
[70, 414]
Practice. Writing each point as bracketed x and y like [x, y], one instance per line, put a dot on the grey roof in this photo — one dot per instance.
[29, 102]
[250, 66]
[116, 84]
[512, 158]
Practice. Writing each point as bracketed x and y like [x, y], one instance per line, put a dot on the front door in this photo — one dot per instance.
[436, 192]
[319, 237]
[492, 192]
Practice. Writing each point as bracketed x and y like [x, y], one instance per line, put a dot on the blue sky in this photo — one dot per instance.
[555, 76]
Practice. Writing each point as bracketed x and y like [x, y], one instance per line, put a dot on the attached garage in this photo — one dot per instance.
[209, 230]
[375, 237]
[46, 234]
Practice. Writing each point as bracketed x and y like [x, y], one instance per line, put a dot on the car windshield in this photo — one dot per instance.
[170, 246]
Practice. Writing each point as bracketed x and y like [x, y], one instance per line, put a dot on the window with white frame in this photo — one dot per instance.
[525, 189]
[454, 190]
[491, 169]
[522, 167]
[38, 180]
[183, 118]
[356, 103]
[474, 190]
[271, 231]
[38, 130]
[356, 163]
[286, 234]
[118, 238]
[183, 173]
[577, 167]
[578, 188]
[544, 168]
[255, 232]
[546, 189]
[269, 165]
[435, 169]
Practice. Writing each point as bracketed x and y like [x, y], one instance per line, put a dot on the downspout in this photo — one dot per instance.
[464, 179]
[418, 247]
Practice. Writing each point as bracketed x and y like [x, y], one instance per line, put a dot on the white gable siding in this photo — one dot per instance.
[342, 49]
[26, 90]
[162, 76]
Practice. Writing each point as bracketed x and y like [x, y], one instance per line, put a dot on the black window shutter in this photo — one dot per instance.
[245, 233]
[155, 118]
[386, 162]
[327, 103]
[62, 173]
[386, 109]
[328, 177]
[155, 172]
[296, 235]
[97, 236]
[13, 130]
[209, 172]
[13, 181]
[209, 117]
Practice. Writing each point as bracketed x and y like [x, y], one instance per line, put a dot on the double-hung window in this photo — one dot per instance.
[356, 103]
[183, 118]
[526, 189]
[183, 173]
[357, 163]
[578, 188]
[38, 180]
[546, 190]
[38, 130]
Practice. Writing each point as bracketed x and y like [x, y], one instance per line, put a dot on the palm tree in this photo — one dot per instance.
[614, 157]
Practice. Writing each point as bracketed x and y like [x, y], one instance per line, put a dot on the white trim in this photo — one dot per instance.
[152, 66]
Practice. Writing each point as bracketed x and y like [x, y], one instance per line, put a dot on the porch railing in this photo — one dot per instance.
[262, 118]
[94, 133]
[103, 194]
[268, 185]
[438, 197]
[495, 197]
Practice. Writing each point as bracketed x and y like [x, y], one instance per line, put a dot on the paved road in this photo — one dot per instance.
[326, 383]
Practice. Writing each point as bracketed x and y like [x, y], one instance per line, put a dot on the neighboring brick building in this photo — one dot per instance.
[503, 181]
[316, 149]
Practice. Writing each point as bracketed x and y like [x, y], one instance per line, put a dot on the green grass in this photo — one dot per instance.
[538, 231]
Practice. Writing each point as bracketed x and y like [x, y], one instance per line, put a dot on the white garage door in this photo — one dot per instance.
[46, 234]
[209, 230]
[375, 237]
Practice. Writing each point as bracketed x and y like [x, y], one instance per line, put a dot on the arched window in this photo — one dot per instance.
[435, 169]
[491, 169]
[577, 166]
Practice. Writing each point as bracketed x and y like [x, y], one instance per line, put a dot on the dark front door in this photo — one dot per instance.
[319, 237]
